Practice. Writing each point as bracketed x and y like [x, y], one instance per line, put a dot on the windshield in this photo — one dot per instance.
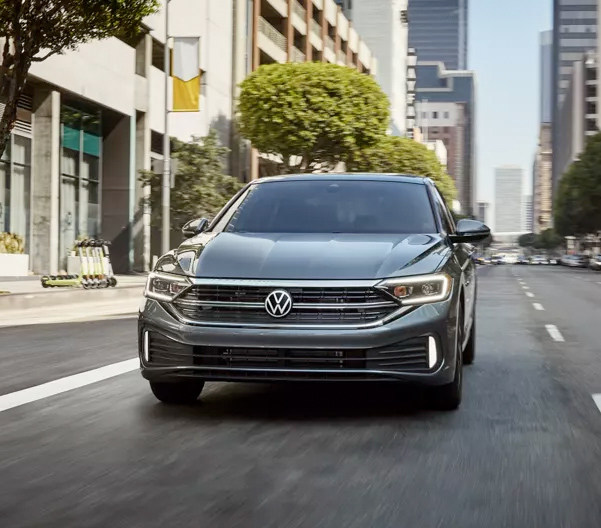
[333, 207]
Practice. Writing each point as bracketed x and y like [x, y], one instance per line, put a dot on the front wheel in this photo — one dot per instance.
[448, 397]
[177, 393]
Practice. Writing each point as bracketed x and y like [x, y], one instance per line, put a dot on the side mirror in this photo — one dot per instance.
[469, 231]
[195, 227]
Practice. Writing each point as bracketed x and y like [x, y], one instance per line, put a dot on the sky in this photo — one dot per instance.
[504, 52]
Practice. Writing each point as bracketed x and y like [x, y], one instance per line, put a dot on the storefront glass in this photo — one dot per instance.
[15, 188]
[80, 176]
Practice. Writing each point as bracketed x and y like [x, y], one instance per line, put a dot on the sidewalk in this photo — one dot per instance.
[25, 294]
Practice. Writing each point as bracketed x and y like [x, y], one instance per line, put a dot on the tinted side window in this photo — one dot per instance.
[447, 224]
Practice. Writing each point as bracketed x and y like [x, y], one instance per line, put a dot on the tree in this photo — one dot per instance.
[527, 240]
[401, 155]
[311, 115]
[549, 240]
[34, 30]
[577, 207]
[201, 188]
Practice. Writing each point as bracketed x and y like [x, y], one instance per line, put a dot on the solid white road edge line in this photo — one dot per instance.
[554, 333]
[529, 294]
[52, 388]
[538, 306]
[597, 400]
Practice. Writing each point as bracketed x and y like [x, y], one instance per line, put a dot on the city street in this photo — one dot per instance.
[523, 450]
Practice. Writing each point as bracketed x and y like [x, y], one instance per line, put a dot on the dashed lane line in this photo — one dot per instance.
[538, 306]
[554, 333]
[52, 388]
[597, 400]
[529, 294]
[525, 288]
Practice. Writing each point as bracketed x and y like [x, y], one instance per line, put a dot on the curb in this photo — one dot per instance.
[20, 301]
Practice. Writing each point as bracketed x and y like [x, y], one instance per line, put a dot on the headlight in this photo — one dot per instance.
[164, 287]
[423, 289]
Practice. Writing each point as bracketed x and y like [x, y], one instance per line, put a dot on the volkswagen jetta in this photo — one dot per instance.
[357, 277]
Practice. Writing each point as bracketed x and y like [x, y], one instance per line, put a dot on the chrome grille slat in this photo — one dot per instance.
[243, 303]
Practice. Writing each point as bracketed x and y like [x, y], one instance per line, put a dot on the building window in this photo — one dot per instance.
[15, 188]
[80, 177]
[434, 115]
[446, 115]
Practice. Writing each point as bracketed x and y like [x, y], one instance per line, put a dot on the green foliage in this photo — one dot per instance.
[41, 28]
[321, 113]
[393, 154]
[201, 188]
[11, 243]
[527, 240]
[577, 207]
[548, 240]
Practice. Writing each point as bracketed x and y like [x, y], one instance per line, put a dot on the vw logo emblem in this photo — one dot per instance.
[278, 303]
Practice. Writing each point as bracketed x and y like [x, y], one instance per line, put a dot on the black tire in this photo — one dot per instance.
[113, 282]
[469, 353]
[448, 397]
[177, 393]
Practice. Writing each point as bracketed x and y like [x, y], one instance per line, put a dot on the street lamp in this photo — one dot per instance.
[166, 183]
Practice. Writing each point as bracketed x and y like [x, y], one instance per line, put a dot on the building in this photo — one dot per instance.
[577, 117]
[527, 218]
[435, 145]
[90, 120]
[411, 85]
[383, 25]
[574, 33]
[482, 214]
[542, 209]
[446, 110]
[438, 30]
[300, 30]
[508, 199]
[546, 76]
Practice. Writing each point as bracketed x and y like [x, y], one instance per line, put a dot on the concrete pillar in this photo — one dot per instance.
[115, 201]
[44, 258]
[141, 225]
[308, 45]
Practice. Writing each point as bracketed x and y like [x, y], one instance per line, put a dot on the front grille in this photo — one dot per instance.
[242, 305]
[409, 355]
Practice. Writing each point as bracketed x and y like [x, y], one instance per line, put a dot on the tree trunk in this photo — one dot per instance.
[13, 75]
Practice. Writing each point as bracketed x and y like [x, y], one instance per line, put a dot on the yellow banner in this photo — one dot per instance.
[186, 74]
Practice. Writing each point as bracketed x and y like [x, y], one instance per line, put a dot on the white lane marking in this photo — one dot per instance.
[599, 283]
[52, 388]
[597, 400]
[538, 306]
[525, 288]
[529, 294]
[554, 333]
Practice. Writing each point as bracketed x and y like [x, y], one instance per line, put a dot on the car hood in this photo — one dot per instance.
[300, 256]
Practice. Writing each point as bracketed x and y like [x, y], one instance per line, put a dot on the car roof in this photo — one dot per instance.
[348, 176]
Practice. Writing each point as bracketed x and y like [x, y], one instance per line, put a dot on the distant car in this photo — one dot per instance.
[522, 260]
[511, 259]
[539, 259]
[574, 261]
[595, 263]
[497, 259]
[553, 261]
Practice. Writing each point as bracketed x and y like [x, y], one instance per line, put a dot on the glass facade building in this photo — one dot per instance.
[15, 188]
[81, 153]
[438, 31]
[574, 33]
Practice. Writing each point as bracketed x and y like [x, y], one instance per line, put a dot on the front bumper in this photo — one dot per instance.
[399, 350]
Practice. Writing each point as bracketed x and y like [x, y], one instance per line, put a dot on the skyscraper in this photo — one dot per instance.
[574, 33]
[546, 75]
[527, 219]
[382, 25]
[438, 31]
[508, 199]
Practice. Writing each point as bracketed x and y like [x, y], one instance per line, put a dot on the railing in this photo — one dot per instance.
[272, 34]
[329, 43]
[315, 27]
[297, 55]
[299, 9]
[341, 55]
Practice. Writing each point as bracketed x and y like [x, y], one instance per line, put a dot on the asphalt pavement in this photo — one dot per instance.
[524, 449]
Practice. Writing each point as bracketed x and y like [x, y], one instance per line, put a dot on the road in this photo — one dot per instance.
[524, 450]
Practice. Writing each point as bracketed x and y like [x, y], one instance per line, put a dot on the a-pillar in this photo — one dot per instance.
[45, 186]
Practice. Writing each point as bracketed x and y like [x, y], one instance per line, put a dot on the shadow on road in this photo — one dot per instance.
[311, 402]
